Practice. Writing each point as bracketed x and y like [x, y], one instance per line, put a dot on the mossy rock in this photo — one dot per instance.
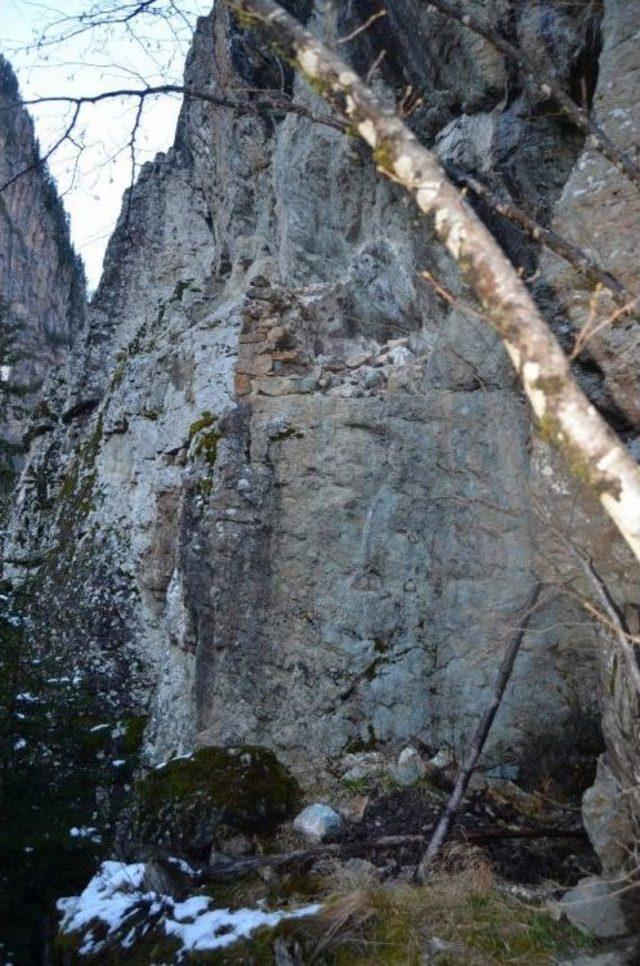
[187, 803]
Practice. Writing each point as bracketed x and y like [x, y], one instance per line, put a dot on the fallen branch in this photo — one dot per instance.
[475, 748]
[236, 868]
[594, 452]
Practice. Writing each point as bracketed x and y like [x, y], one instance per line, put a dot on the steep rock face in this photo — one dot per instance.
[282, 495]
[41, 278]
[601, 211]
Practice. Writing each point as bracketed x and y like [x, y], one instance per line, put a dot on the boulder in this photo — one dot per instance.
[318, 822]
[191, 803]
[606, 818]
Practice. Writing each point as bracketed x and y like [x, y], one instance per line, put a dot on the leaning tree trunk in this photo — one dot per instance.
[594, 452]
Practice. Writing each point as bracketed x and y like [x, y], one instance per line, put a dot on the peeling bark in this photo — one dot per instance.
[595, 454]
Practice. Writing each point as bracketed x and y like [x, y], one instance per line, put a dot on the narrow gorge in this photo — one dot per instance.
[274, 506]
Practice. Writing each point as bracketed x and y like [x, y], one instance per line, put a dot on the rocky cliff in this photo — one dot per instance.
[42, 289]
[283, 494]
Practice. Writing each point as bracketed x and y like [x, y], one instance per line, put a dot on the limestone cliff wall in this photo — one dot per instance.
[42, 291]
[283, 493]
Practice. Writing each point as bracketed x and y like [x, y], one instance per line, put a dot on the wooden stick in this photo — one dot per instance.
[475, 749]
[233, 869]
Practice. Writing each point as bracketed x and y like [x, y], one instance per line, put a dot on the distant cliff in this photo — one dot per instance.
[42, 286]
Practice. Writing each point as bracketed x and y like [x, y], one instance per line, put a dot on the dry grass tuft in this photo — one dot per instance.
[459, 917]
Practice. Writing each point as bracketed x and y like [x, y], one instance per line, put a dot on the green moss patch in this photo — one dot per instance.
[184, 804]
[206, 437]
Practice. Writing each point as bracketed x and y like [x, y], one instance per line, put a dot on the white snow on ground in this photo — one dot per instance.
[207, 928]
[115, 898]
[108, 898]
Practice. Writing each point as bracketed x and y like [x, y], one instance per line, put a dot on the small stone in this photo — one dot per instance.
[361, 764]
[360, 359]
[400, 355]
[395, 343]
[362, 872]
[353, 809]
[409, 768]
[344, 391]
[273, 386]
[318, 822]
[307, 384]
[504, 772]
[373, 378]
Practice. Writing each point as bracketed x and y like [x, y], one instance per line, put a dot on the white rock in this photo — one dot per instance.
[317, 822]
[400, 355]
[409, 768]
[360, 359]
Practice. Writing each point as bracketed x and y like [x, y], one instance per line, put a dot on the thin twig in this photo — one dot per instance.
[616, 619]
[591, 329]
[42, 161]
[275, 102]
[364, 26]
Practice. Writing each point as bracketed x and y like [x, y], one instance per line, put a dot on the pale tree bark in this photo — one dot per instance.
[594, 452]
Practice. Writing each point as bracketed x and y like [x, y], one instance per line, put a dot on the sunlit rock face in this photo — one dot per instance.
[284, 494]
[41, 278]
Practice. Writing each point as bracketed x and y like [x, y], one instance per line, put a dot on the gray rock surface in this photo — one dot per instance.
[284, 495]
[594, 907]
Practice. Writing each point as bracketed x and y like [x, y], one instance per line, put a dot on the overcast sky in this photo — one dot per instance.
[92, 180]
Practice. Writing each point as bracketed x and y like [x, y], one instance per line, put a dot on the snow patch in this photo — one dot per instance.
[115, 898]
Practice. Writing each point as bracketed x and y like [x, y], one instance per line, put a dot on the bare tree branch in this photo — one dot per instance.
[40, 162]
[545, 236]
[616, 619]
[89, 21]
[268, 102]
[549, 84]
[363, 26]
